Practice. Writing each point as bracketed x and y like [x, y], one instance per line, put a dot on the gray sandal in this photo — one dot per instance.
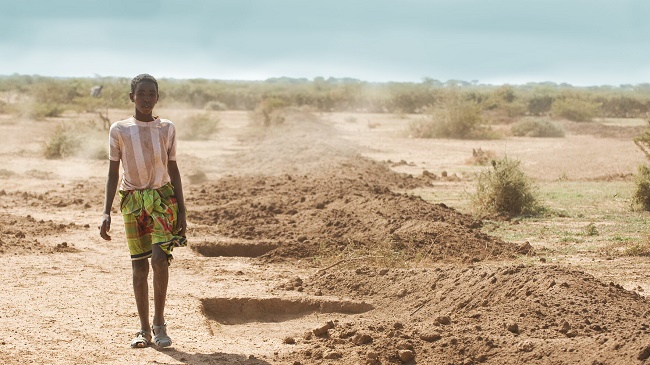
[140, 340]
[160, 337]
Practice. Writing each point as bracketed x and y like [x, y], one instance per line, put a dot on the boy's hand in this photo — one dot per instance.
[181, 223]
[105, 227]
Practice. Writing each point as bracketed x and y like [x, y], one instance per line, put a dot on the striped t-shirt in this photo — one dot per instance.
[144, 149]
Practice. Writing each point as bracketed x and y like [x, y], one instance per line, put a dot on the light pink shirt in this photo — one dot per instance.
[144, 148]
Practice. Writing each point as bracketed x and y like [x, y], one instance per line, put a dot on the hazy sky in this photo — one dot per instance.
[591, 42]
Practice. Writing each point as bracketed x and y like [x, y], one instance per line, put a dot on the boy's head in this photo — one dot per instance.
[144, 94]
[140, 78]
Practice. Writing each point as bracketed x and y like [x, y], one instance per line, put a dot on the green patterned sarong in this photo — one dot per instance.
[150, 217]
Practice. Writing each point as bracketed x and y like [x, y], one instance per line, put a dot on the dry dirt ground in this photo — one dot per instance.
[303, 244]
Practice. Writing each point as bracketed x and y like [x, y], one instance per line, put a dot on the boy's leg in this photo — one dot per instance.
[160, 267]
[141, 291]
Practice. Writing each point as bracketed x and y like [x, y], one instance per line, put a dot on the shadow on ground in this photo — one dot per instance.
[217, 358]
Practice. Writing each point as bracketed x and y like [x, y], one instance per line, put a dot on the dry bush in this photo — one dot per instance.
[638, 249]
[481, 157]
[269, 112]
[82, 140]
[200, 127]
[62, 143]
[456, 117]
[641, 195]
[504, 189]
[536, 128]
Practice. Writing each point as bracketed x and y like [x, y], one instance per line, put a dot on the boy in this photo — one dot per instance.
[151, 201]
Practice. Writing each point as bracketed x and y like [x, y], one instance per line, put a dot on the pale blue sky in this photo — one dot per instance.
[592, 42]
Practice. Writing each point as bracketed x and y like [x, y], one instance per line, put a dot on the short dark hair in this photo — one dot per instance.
[140, 78]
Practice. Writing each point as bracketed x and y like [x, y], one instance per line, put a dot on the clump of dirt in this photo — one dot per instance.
[20, 235]
[470, 315]
[341, 200]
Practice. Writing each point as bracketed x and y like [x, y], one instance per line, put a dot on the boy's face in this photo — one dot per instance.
[145, 97]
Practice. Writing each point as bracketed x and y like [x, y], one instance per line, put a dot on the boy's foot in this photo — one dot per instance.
[141, 339]
[160, 337]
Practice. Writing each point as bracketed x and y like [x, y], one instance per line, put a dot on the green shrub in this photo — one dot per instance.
[641, 195]
[200, 127]
[456, 117]
[62, 143]
[505, 189]
[576, 110]
[537, 128]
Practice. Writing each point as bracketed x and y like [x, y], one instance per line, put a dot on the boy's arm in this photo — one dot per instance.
[111, 189]
[175, 177]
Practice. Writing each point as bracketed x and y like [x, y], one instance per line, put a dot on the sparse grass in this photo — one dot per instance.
[354, 255]
[590, 219]
[580, 218]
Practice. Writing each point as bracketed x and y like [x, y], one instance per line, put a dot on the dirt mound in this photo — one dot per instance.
[80, 195]
[300, 213]
[337, 199]
[503, 315]
[20, 235]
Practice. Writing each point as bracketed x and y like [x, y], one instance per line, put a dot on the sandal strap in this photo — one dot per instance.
[140, 339]
[160, 336]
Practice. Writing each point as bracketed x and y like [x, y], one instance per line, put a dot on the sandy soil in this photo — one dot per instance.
[266, 210]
